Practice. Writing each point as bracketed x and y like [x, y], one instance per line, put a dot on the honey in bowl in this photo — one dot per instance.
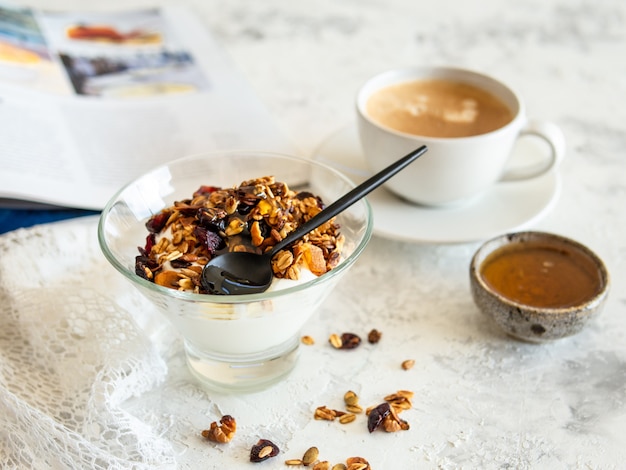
[538, 286]
[542, 275]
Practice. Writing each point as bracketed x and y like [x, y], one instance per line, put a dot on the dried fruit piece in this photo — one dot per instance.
[377, 415]
[168, 279]
[156, 223]
[210, 240]
[212, 218]
[263, 450]
[314, 258]
[374, 336]
[350, 341]
[310, 456]
[221, 433]
[145, 267]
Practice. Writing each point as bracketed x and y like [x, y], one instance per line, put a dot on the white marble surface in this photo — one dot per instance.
[482, 400]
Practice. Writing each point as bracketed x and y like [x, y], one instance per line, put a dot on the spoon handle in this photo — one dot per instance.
[350, 198]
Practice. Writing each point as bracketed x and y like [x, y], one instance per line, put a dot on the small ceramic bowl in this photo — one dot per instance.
[538, 286]
[240, 342]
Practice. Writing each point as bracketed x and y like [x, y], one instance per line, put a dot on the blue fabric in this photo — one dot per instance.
[11, 219]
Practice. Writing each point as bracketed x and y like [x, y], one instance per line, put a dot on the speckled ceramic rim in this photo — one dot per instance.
[244, 298]
[520, 237]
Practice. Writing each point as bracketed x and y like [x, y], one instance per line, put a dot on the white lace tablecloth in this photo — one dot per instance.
[90, 377]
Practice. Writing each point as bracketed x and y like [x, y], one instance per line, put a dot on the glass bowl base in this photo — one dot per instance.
[242, 373]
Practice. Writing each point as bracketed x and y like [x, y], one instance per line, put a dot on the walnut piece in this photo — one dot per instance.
[223, 432]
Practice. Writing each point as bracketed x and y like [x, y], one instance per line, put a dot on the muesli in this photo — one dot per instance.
[251, 217]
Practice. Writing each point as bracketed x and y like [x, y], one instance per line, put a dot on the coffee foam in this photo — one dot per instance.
[438, 108]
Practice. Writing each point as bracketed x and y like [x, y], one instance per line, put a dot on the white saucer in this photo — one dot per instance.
[505, 208]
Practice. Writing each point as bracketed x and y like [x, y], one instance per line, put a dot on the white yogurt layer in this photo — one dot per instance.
[305, 276]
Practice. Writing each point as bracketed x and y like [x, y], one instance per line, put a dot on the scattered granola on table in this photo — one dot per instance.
[263, 450]
[223, 432]
[384, 415]
[345, 341]
[252, 217]
[307, 340]
[374, 336]
[310, 459]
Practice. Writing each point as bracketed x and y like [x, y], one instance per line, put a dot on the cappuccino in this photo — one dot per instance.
[438, 108]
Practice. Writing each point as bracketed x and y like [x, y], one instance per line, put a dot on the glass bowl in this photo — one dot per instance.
[232, 342]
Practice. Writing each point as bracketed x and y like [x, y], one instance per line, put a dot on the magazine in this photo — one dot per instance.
[90, 100]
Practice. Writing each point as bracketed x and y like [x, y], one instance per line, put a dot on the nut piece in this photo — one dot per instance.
[350, 398]
[310, 456]
[339, 466]
[352, 402]
[354, 408]
[374, 336]
[324, 413]
[308, 340]
[400, 400]
[221, 433]
[335, 341]
[293, 462]
[347, 418]
[358, 463]
[408, 364]
[323, 465]
[392, 423]
[263, 450]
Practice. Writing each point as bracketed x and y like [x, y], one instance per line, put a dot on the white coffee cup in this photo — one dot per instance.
[455, 169]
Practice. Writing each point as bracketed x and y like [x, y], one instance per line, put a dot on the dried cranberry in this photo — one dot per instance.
[179, 263]
[156, 223]
[244, 208]
[150, 241]
[305, 194]
[278, 189]
[211, 218]
[187, 210]
[377, 415]
[247, 195]
[350, 340]
[204, 190]
[210, 240]
[263, 450]
[266, 229]
[142, 263]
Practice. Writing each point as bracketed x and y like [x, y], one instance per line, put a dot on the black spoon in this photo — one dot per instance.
[250, 273]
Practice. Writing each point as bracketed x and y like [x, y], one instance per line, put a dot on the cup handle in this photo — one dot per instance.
[553, 136]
